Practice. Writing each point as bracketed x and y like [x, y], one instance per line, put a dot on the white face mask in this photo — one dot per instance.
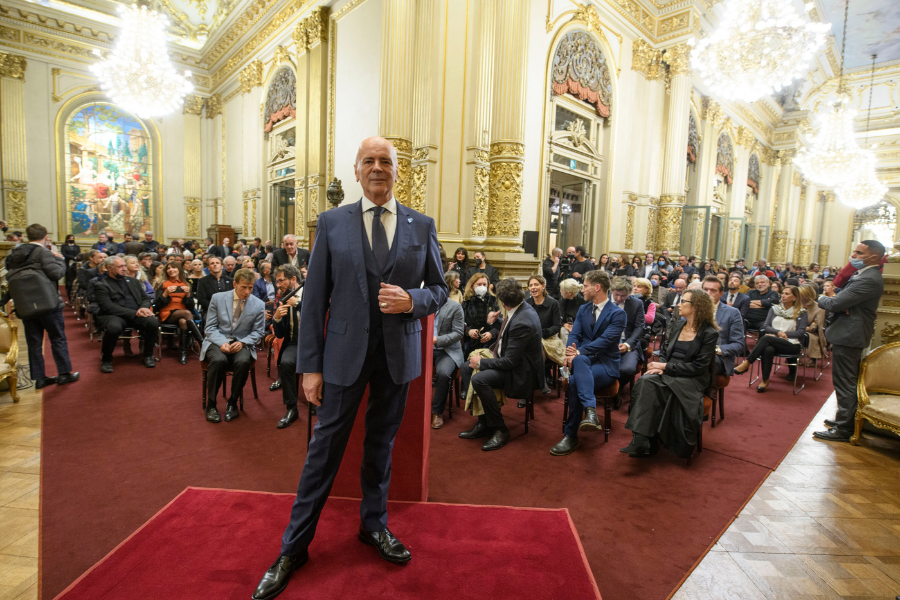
[481, 290]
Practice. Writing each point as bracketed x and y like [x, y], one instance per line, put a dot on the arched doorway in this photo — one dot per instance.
[279, 114]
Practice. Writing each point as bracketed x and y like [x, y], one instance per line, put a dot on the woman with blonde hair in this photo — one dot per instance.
[667, 401]
[453, 280]
[809, 295]
[570, 300]
[481, 310]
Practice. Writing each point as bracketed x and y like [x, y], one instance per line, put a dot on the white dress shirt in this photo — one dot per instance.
[388, 219]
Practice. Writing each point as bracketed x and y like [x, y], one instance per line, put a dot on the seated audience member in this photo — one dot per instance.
[809, 295]
[264, 287]
[481, 311]
[194, 272]
[731, 327]
[548, 313]
[761, 300]
[460, 265]
[286, 327]
[134, 270]
[159, 274]
[175, 307]
[89, 269]
[454, 283]
[229, 266]
[735, 298]
[570, 300]
[592, 357]
[212, 284]
[123, 304]
[777, 286]
[146, 260]
[247, 263]
[235, 323]
[667, 401]
[289, 253]
[483, 268]
[654, 322]
[449, 328]
[783, 333]
[632, 353]
[150, 245]
[658, 291]
[673, 300]
[517, 368]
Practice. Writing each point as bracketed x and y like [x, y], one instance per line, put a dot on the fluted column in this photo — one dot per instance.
[765, 203]
[825, 233]
[193, 181]
[424, 159]
[507, 154]
[803, 250]
[478, 169]
[785, 189]
[397, 70]
[12, 140]
[671, 201]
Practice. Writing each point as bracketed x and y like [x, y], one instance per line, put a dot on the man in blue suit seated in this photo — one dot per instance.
[734, 298]
[235, 323]
[731, 328]
[593, 357]
[374, 272]
[632, 354]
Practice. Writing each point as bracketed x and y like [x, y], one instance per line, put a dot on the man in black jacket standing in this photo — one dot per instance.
[221, 251]
[30, 255]
[482, 266]
[124, 304]
[217, 281]
[289, 254]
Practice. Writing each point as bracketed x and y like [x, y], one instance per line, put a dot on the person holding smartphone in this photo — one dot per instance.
[175, 306]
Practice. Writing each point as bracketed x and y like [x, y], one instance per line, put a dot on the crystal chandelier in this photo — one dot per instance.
[760, 46]
[833, 156]
[138, 75]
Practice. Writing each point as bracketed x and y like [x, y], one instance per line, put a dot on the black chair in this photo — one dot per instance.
[204, 368]
[789, 360]
[605, 396]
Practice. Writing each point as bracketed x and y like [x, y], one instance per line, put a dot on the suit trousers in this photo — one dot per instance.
[585, 378]
[114, 326]
[845, 373]
[54, 324]
[766, 349]
[484, 383]
[219, 363]
[443, 371]
[287, 373]
[386, 404]
[628, 366]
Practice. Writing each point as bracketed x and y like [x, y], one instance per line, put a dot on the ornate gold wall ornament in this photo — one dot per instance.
[313, 204]
[679, 60]
[193, 105]
[577, 132]
[82, 52]
[744, 137]
[12, 66]
[580, 69]
[246, 217]
[823, 254]
[802, 252]
[281, 55]
[647, 61]
[784, 136]
[299, 210]
[192, 208]
[214, 106]
[481, 201]
[316, 25]
[890, 334]
[16, 208]
[403, 185]
[725, 158]
[481, 155]
[507, 149]
[505, 200]
[281, 99]
[632, 197]
[829, 197]
[421, 153]
[833, 61]
[14, 184]
[418, 187]
[253, 211]
[768, 156]
[299, 36]
[651, 227]
[891, 303]
[797, 179]
[629, 227]
[402, 145]
[9, 34]
[251, 76]
[668, 233]
[698, 238]
[673, 23]
[779, 246]
[712, 112]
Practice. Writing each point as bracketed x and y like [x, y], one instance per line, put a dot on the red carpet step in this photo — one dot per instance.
[218, 543]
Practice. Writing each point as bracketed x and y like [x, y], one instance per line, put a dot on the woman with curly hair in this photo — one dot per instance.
[667, 401]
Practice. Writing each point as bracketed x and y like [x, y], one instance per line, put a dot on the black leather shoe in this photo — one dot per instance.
[212, 414]
[68, 378]
[830, 424]
[288, 418]
[636, 449]
[591, 420]
[44, 382]
[149, 361]
[278, 575]
[832, 435]
[390, 548]
[499, 439]
[566, 446]
[231, 412]
[183, 359]
[275, 386]
[106, 366]
[479, 431]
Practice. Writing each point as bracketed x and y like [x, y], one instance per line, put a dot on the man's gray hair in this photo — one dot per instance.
[621, 284]
[758, 277]
[108, 261]
[290, 235]
[229, 257]
[556, 252]
[146, 232]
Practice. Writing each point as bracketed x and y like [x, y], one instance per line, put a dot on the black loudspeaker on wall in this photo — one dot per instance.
[530, 242]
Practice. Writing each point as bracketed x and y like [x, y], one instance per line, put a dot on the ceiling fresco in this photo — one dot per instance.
[873, 27]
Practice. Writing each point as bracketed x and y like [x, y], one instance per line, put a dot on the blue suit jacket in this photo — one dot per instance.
[336, 288]
[250, 328]
[731, 336]
[741, 303]
[599, 341]
[634, 326]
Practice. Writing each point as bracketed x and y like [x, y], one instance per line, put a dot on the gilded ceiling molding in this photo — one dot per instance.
[674, 23]
[251, 76]
[193, 105]
[744, 137]
[13, 66]
[678, 59]
[51, 22]
[647, 61]
[214, 106]
[712, 112]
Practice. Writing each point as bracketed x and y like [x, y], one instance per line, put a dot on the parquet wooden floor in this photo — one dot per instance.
[824, 525]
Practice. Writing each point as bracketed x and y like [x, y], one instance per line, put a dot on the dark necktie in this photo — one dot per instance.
[379, 237]
[730, 299]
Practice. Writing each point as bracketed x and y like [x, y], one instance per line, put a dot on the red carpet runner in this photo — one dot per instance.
[117, 448]
[217, 544]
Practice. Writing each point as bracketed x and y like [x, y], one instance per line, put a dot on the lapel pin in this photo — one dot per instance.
[409, 219]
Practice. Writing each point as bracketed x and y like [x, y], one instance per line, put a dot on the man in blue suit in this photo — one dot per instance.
[235, 324]
[593, 357]
[632, 354]
[734, 298]
[374, 272]
[731, 328]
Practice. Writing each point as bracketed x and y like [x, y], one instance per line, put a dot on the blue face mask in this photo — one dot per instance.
[826, 272]
[637, 294]
[654, 282]
[662, 263]
[857, 263]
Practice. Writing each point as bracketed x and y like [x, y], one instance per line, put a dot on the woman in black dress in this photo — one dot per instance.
[460, 264]
[667, 401]
[548, 312]
[481, 310]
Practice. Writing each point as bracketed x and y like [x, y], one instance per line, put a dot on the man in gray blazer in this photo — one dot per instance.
[731, 327]
[854, 308]
[449, 328]
[235, 324]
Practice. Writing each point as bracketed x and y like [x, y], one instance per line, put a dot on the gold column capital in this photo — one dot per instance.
[671, 200]
[193, 105]
[507, 149]
[13, 66]
[712, 112]
[745, 137]
[679, 59]
[251, 76]
[768, 156]
[647, 61]
[828, 197]
[214, 106]
[797, 179]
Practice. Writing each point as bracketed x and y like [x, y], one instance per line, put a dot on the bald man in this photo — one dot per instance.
[289, 254]
[374, 272]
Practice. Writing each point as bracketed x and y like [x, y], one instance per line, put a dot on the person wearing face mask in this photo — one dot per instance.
[483, 268]
[481, 311]
[850, 333]
[656, 287]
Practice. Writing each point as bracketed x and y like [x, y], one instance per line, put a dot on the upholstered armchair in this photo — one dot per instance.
[878, 390]
[9, 354]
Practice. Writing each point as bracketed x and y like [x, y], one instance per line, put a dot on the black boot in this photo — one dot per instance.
[184, 340]
[194, 332]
